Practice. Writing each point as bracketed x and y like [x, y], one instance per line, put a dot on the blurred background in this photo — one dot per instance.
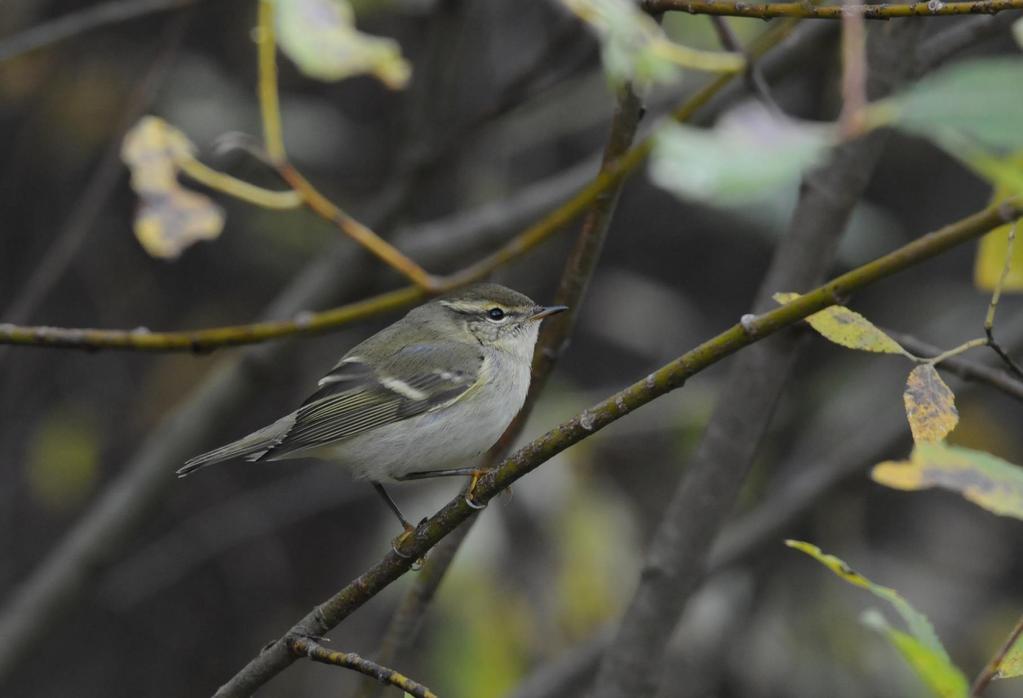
[506, 115]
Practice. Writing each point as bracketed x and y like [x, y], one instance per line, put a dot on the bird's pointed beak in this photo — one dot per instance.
[540, 312]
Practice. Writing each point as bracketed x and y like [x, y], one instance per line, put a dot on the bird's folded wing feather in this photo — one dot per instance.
[355, 397]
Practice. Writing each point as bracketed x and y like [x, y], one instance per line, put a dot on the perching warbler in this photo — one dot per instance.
[423, 397]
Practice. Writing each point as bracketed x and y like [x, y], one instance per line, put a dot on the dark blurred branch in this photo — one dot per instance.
[990, 670]
[676, 557]
[82, 21]
[305, 647]
[963, 34]
[806, 10]
[753, 75]
[575, 279]
[751, 330]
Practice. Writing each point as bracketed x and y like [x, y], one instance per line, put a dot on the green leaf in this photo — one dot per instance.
[984, 479]
[976, 101]
[930, 405]
[747, 157]
[321, 38]
[848, 328]
[635, 48]
[941, 676]
[1012, 663]
[918, 625]
[63, 460]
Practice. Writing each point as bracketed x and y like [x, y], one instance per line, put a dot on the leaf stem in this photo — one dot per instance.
[955, 351]
[239, 189]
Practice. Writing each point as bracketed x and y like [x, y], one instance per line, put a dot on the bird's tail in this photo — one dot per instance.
[251, 447]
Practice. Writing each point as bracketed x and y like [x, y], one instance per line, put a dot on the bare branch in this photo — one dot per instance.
[306, 647]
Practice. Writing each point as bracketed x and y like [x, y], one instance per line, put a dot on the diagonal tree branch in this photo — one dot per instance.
[675, 560]
[209, 339]
[276, 657]
[575, 278]
[85, 20]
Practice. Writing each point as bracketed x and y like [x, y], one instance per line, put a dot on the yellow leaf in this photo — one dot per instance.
[990, 262]
[921, 647]
[170, 217]
[982, 478]
[930, 405]
[166, 225]
[848, 328]
[152, 149]
[321, 38]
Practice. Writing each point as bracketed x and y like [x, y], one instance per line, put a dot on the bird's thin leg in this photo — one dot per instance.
[474, 474]
[392, 506]
[409, 528]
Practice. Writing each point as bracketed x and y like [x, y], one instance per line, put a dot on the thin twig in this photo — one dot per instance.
[990, 670]
[306, 647]
[673, 375]
[964, 368]
[85, 20]
[805, 10]
[989, 319]
[854, 73]
[753, 75]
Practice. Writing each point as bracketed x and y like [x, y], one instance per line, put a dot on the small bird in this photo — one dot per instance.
[424, 397]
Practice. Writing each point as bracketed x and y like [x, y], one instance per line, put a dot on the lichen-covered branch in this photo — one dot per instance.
[673, 375]
[306, 647]
[806, 10]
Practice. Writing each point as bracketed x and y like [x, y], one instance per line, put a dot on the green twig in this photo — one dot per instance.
[806, 10]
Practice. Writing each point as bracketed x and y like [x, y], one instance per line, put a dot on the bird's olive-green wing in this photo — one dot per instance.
[356, 397]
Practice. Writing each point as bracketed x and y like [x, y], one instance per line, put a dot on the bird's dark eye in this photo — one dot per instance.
[495, 314]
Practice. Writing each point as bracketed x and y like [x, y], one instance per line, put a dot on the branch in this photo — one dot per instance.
[206, 340]
[805, 10]
[575, 279]
[82, 21]
[990, 670]
[306, 647]
[394, 564]
[64, 575]
[675, 561]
